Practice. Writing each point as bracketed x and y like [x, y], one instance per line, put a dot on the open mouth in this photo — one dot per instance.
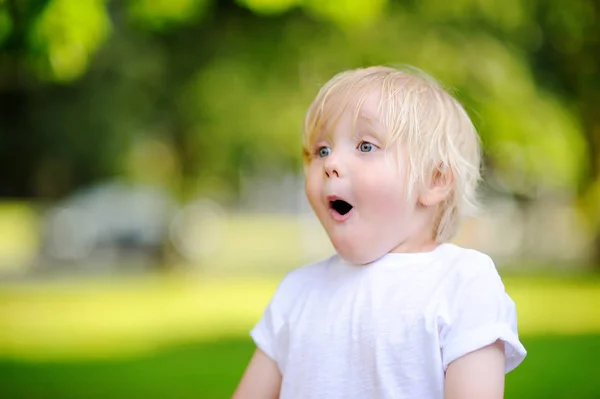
[340, 206]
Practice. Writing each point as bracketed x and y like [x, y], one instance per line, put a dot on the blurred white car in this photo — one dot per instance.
[106, 220]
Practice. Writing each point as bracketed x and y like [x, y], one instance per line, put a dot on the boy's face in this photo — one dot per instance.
[358, 189]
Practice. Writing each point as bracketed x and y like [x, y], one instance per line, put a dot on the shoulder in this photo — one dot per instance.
[464, 266]
[297, 280]
[308, 272]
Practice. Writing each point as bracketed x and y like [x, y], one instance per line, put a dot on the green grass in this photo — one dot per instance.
[556, 368]
[122, 338]
[206, 370]
[126, 317]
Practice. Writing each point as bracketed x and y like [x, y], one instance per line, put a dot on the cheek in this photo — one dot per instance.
[312, 187]
[391, 205]
[387, 195]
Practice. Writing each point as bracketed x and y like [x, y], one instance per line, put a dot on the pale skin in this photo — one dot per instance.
[351, 165]
[477, 375]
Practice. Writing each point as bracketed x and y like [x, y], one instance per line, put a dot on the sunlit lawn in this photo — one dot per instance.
[557, 368]
[187, 337]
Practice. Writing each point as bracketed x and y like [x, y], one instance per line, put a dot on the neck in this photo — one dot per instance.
[413, 246]
[422, 238]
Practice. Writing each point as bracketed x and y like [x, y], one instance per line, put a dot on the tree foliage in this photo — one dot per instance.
[94, 88]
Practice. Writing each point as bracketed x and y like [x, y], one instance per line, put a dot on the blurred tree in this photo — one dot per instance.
[568, 61]
[222, 86]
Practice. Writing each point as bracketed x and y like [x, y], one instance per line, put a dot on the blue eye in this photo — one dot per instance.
[323, 151]
[366, 147]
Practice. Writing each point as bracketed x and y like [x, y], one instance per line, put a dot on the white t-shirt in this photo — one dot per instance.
[388, 329]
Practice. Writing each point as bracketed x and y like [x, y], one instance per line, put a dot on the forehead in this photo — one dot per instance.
[354, 112]
[369, 111]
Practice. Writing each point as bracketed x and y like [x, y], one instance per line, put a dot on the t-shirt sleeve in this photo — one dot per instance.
[270, 333]
[265, 331]
[479, 313]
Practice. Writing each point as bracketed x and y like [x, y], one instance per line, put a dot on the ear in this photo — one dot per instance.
[438, 188]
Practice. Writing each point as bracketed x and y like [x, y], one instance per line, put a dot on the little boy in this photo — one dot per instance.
[392, 163]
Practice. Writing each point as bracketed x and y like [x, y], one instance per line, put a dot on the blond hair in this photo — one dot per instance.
[421, 118]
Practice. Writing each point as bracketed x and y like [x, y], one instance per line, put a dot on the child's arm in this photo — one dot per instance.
[261, 379]
[477, 375]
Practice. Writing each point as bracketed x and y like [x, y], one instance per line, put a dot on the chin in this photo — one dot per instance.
[357, 256]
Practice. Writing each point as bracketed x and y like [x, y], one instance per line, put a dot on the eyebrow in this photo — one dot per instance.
[320, 135]
[373, 124]
[367, 118]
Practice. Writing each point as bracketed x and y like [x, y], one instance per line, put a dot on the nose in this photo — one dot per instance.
[332, 167]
